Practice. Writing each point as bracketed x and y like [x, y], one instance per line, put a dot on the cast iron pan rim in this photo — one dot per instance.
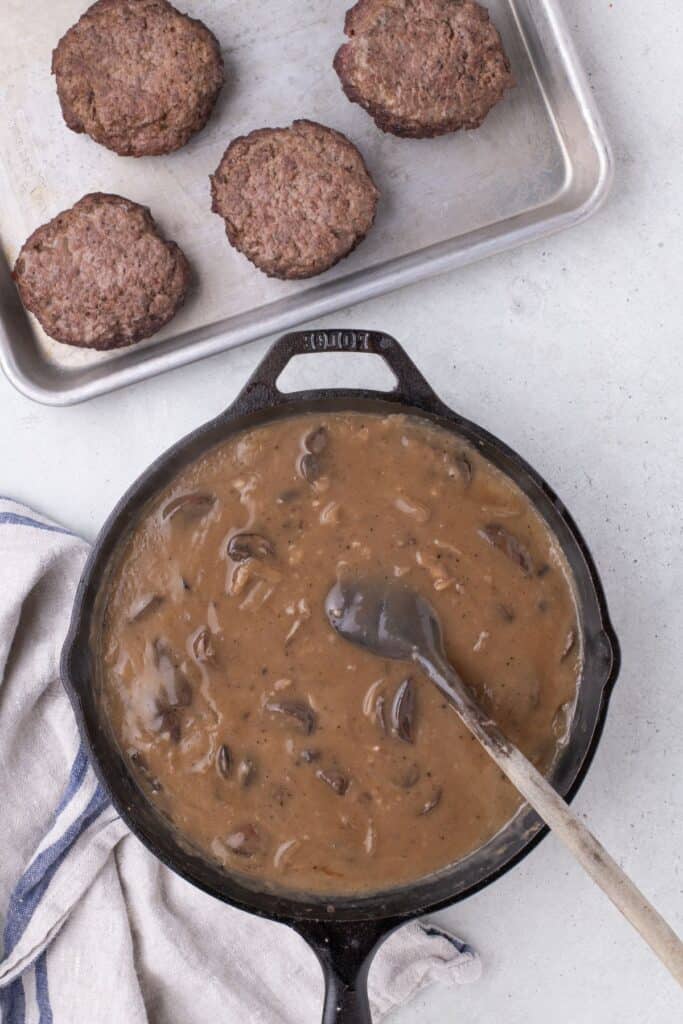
[298, 913]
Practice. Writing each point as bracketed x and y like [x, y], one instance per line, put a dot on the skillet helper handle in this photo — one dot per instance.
[345, 951]
[411, 386]
[546, 801]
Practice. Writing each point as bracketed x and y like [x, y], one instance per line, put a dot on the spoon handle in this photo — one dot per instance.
[536, 789]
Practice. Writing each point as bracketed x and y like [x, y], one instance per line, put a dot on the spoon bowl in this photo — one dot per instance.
[394, 621]
[384, 617]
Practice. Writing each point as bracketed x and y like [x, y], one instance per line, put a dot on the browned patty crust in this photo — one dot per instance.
[295, 200]
[137, 76]
[100, 275]
[422, 67]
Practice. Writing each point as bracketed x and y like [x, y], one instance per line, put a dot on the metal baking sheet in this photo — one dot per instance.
[539, 163]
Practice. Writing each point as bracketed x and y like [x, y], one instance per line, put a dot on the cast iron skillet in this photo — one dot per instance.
[344, 932]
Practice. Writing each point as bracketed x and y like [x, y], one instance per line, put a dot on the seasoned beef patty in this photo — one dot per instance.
[137, 75]
[295, 200]
[100, 275]
[422, 67]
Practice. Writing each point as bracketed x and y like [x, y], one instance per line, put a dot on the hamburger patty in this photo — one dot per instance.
[100, 275]
[422, 67]
[137, 76]
[295, 200]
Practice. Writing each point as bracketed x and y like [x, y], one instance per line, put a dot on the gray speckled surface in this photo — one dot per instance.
[571, 351]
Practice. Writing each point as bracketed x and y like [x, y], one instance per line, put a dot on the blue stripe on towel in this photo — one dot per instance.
[34, 882]
[37, 877]
[42, 991]
[78, 772]
[13, 999]
[31, 888]
[13, 1003]
[14, 519]
[432, 930]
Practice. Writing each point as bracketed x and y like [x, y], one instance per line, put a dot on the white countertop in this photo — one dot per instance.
[570, 350]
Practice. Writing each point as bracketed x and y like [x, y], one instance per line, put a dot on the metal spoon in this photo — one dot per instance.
[393, 621]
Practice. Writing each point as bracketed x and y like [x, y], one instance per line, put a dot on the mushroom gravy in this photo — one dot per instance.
[273, 745]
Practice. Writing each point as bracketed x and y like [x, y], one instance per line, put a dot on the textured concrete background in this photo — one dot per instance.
[571, 351]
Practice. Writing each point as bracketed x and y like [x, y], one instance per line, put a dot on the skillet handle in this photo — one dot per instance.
[345, 1005]
[261, 389]
[345, 952]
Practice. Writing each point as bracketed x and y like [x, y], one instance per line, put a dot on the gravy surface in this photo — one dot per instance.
[275, 746]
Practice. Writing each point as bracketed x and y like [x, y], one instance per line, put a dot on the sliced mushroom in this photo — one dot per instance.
[432, 801]
[316, 441]
[310, 467]
[380, 713]
[224, 761]
[498, 537]
[462, 467]
[202, 647]
[335, 779]
[403, 711]
[298, 711]
[189, 506]
[242, 546]
[409, 777]
[246, 772]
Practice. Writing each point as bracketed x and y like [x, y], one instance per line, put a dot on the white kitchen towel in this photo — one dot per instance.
[95, 928]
